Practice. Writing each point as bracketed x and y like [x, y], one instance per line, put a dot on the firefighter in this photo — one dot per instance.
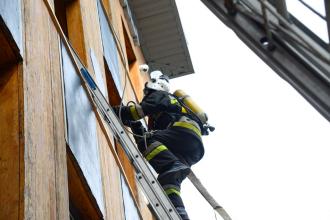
[175, 142]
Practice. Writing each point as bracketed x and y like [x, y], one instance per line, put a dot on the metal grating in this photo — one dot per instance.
[161, 37]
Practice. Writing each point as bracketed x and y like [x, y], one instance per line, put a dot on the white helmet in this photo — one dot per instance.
[158, 82]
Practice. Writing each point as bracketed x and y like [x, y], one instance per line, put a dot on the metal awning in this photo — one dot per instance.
[161, 36]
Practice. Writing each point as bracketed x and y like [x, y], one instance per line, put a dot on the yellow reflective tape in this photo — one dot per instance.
[189, 126]
[183, 110]
[174, 101]
[171, 191]
[134, 113]
[155, 151]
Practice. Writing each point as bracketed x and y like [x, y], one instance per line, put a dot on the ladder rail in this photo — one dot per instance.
[161, 204]
[159, 201]
[157, 197]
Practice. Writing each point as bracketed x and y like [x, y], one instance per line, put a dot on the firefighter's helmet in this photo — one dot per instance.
[158, 81]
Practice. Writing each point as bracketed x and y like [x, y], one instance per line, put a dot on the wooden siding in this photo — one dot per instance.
[42, 131]
[46, 186]
[11, 157]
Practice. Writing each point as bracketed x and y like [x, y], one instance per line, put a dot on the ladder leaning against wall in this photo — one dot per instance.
[160, 203]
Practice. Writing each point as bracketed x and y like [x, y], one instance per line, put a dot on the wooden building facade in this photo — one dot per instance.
[55, 159]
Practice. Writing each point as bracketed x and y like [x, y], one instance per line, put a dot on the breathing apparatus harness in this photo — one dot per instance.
[205, 127]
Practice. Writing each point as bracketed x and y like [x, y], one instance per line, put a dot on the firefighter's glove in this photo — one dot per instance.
[139, 131]
[124, 114]
[137, 128]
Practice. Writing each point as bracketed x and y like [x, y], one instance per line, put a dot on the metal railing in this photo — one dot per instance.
[269, 12]
[312, 9]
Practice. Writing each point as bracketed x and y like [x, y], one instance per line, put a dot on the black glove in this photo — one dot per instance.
[138, 129]
[125, 114]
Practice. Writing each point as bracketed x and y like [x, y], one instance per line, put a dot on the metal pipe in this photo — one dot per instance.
[264, 14]
[324, 55]
[312, 9]
[282, 9]
[327, 13]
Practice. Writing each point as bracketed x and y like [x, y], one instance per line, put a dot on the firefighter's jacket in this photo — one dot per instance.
[165, 112]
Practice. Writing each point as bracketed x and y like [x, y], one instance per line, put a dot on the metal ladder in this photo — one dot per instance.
[159, 201]
[162, 206]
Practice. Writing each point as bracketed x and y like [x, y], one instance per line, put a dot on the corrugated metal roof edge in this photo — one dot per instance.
[183, 42]
[183, 39]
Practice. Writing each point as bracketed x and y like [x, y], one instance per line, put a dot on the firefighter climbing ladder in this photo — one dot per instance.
[159, 201]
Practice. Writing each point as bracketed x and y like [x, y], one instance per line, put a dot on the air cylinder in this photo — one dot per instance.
[192, 105]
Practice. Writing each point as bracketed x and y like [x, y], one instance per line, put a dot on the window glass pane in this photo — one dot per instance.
[317, 5]
[109, 47]
[311, 20]
[81, 121]
[10, 12]
[131, 212]
[98, 74]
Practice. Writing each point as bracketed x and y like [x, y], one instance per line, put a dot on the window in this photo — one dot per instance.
[133, 65]
[114, 89]
[113, 93]
[81, 128]
[312, 15]
[80, 119]
[83, 205]
[68, 13]
[114, 99]
[109, 48]
[130, 21]
[131, 59]
[10, 32]
[130, 210]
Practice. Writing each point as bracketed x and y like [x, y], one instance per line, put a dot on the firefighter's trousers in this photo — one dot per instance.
[171, 153]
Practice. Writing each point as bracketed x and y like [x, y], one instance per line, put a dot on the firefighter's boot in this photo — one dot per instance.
[173, 192]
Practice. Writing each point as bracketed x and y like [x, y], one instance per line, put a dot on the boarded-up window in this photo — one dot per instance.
[81, 124]
[83, 205]
[10, 31]
[68, 13]
[109, 47]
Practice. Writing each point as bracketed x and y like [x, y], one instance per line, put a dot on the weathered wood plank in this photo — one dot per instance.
[45, 184]
[9, 143]
[61, 175]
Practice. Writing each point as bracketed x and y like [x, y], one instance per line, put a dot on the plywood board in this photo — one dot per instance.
[82, 134]
[10, 156]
